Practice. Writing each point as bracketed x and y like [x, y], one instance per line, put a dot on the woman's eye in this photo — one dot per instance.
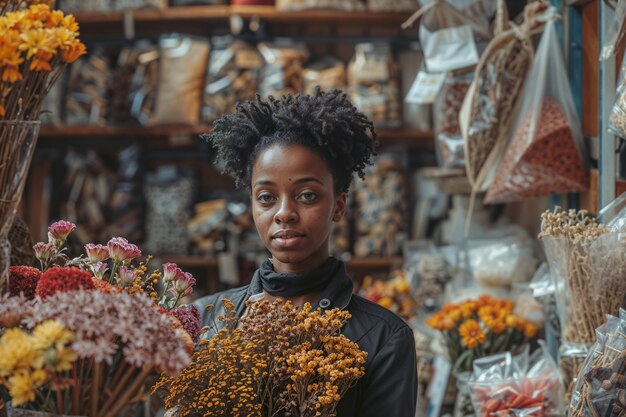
[308, 196]
[265, 198]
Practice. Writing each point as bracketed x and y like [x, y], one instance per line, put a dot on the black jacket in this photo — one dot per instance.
[389, 386]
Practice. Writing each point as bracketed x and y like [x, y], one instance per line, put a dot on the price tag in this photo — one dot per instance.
[425, 87]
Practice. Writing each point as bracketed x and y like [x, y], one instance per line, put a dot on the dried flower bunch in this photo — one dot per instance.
[36, 43]
[111, 264]
[118, 341]
[30, 360]
[123, 333]
[590, 262]
[278, 360]
[393, 294]
[477, 328]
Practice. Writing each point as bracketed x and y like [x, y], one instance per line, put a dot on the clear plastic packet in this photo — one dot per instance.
[232, 76]
[87, 95]
[448, 36]
[541, 284]
[599, 388]
[502, 262]
[589, 281]
[135, 81]
[490, 104]
[595, 351]
[614, 214]
[615, 32]
[448, 140]
[284, 63]
[427, 272]
[373, 84]
[617, 118]
[327, 73]
[545, 153]
[182, 72]
[381, 208]
[571, 357]
[522, 386]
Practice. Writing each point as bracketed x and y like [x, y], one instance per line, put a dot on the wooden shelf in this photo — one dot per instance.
[411, 139]
[267, 13]
[373, 263]
[189, 261]
[120, 132]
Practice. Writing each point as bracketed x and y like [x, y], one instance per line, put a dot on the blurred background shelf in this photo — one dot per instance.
[412, 139]
[266, 13]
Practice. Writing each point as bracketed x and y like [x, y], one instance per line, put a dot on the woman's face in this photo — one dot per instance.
[294, 206]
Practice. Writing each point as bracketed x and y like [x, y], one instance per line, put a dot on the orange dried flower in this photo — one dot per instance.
[471, 334]
[494, 318]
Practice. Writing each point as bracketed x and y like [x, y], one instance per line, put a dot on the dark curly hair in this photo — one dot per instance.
[325, 122]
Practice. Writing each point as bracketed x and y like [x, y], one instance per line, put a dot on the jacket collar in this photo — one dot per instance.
[337, 293]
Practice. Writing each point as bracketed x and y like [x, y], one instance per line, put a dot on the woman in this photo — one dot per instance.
[297, 156]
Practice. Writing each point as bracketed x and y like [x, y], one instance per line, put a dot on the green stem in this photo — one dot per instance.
[114, 269]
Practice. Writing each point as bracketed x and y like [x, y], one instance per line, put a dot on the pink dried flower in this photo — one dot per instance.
[183, 284]
[13, 309]
[189, 318]
[96, 253]
[99, 269]
[44, 251]
[127, 276]
[120, 250]
[170, 270]
[58, 231]
[107, 323]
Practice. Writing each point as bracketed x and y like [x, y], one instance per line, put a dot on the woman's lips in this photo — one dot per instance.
[287, 239]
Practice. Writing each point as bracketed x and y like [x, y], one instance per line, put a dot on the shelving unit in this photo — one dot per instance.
[410, 139]
[326, 31]
[266, 13]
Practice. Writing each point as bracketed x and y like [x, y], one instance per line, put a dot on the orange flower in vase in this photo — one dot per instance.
[476, 328]
[471, 334]
[36, 44]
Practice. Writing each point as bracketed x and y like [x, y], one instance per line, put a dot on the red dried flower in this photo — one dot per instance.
[23, 279]
[63, 279]
[189, 318]
[103, 286]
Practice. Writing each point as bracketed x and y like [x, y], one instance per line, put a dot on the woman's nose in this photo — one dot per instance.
[287, 212]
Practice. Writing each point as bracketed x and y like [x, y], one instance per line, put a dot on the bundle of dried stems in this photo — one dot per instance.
[590, 262]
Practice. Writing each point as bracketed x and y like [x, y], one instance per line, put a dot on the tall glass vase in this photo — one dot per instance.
[17, 143]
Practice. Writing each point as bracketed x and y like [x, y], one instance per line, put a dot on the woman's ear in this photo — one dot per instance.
[340, 207]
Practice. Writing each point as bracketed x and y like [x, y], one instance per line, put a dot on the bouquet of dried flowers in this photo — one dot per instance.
[117, 332]
[277, 360]
[393, 294]
[114, 264]
[36, 44]
[478, 328]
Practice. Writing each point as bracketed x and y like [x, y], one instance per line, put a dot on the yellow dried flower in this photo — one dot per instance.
[277, 357]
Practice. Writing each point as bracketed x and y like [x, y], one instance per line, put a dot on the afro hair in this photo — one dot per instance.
[325, 122]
